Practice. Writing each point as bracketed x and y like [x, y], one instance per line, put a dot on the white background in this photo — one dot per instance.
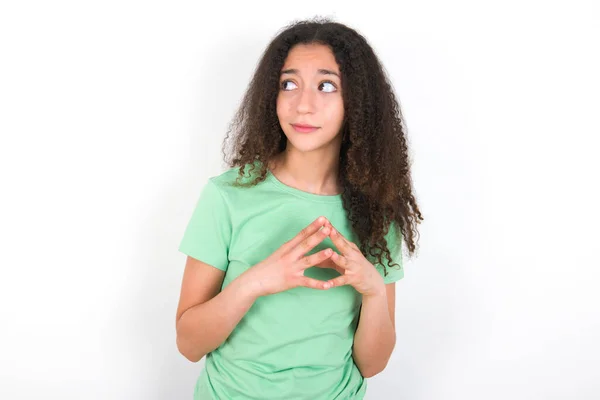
[112, 115]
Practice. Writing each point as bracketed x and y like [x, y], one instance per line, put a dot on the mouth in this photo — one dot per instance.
[304, 128]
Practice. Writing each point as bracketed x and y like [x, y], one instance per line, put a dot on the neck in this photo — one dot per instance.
[314, 172]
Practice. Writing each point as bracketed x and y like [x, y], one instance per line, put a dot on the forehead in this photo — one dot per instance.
[310, 57]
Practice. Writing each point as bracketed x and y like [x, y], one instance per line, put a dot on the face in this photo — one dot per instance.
[309, 104]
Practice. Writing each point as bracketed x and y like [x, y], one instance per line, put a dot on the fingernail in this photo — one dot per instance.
[326, 285]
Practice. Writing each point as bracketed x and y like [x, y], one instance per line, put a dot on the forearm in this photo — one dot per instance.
[204, 327]
[375, 336]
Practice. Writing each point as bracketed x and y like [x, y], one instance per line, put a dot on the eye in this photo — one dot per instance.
[328, 86]
[283, 85]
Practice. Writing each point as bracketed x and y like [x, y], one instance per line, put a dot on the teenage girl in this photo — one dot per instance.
[293, 252]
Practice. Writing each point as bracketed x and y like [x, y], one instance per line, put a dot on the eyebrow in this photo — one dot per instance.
[321, 71]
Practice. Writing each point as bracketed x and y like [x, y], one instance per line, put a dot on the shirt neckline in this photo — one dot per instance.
[335, 198]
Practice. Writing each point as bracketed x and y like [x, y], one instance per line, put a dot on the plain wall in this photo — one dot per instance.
[112, 116]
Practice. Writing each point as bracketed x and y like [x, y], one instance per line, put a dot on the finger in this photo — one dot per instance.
[314, 259]
[309, 243]
[328, 264]
[304, 234]
[340, 242]
[335, 282]
[339, 260]
[339, 234]
[312, 283]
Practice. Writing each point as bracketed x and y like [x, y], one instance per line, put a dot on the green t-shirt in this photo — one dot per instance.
[291, 345]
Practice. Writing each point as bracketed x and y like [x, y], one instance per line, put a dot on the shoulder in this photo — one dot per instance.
[227, 181]
[225, 178]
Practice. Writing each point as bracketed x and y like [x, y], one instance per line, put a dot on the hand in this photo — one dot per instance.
[356, 270]
[284, 269]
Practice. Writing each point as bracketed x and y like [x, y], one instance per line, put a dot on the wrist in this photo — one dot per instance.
[379, 292]
[247, 286]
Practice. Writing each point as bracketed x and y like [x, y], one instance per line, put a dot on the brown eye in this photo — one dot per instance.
[328, 86]
[285, 87]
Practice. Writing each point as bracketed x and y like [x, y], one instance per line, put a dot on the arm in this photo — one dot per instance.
[206, 316]
[375, 336]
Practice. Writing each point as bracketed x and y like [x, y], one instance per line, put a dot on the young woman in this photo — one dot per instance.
[288, 288]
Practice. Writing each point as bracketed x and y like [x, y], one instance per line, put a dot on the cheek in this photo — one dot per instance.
[283, 107]
[335, 112]
[278, 106]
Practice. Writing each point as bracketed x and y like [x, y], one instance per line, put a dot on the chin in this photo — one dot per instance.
[305, 143]
[306, 146]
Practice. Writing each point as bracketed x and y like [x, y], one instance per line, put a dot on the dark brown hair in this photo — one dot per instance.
[374, 167]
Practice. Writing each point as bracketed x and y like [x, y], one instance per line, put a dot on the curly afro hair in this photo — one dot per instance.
[374, 170]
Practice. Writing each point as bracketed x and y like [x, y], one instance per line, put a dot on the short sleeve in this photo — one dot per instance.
[395, 272]
[208, 233]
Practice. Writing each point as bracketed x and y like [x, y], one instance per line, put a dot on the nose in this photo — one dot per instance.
[306, 102]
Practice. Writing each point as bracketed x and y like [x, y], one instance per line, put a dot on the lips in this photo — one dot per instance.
[304, 128]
